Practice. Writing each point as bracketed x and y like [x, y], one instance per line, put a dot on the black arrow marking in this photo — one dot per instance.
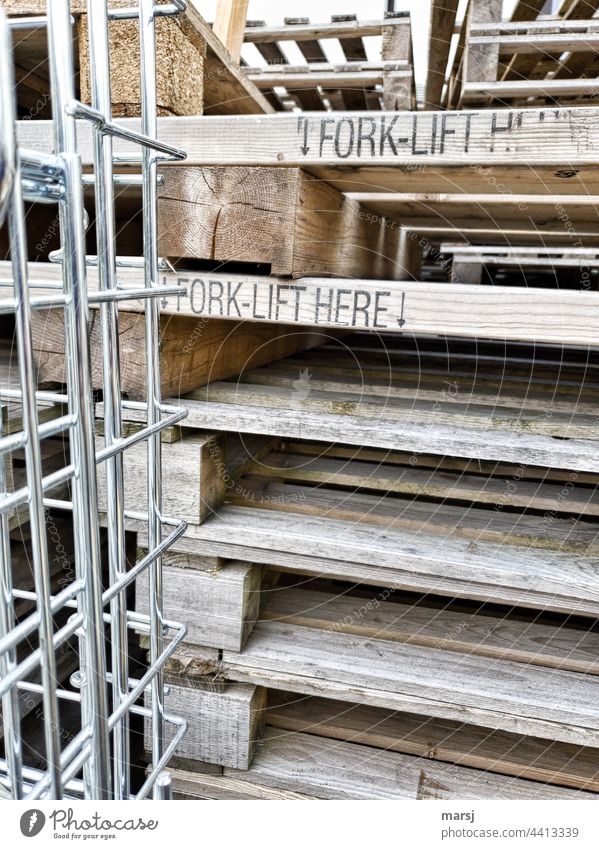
[303, 122]
[401, 320]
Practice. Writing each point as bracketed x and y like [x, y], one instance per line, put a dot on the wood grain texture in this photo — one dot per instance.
[380, 616]
[442, 22]
[193, 486]
[510, 696]
[323, 470]
[192, 350]
[280, 217]
[282, 412]
[219, 606]
[540, 152]
[196, 785]
[556, 316]
[328, 769]
[229, 24]
[437, 740]
[416, 561]
[223, 726]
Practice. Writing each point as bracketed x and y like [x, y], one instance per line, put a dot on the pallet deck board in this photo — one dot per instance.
[540, 151]
[408, 307]
[329, 769]
[485, 571]
[498, 694]
[441, 740]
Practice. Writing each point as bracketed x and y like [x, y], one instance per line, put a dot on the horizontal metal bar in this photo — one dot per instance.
[28, 626]
[20, 496]
[34, 22]
[14, 441]
[91, 260]
[80, 110]
[173, 8]
[63, 634]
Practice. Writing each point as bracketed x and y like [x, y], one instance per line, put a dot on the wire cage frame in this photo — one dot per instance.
[90, 609]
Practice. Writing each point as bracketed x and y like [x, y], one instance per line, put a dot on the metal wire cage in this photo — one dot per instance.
[91, 607]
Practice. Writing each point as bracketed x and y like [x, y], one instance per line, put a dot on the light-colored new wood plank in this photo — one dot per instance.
[503, 312]
[531, 151]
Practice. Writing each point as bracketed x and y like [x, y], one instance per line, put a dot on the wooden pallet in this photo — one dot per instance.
[320, 85]
[530, 60]
[365, 404]
[291, 765]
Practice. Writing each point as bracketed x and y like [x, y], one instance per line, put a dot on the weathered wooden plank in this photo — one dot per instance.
[219, 606]
[503, 312]
[290, 414]
[328, 769]
[440, 740]
[380, 617]
[197, 785]
[536, 151]
[438, 483]
[281, 217]
[193, 486]
[505, 695]
[416, 561]
[223, 727]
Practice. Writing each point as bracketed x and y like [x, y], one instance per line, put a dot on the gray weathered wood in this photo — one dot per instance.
[223, 726]
[193, 485]
[219, 606]
[499, 694]
[418, 561]
[328, 769]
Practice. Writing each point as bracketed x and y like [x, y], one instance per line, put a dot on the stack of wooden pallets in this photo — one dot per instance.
[545, 54]
[389, 575]
[392, 542]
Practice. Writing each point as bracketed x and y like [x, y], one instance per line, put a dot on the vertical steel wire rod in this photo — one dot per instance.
[153, 394]
[33, 463]
[99, 59]
[94, 701]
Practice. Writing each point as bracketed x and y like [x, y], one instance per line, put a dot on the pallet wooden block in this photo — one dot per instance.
[193, 485]
[223, 726]
[278, 216]
[193, 350]
[219, 605]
